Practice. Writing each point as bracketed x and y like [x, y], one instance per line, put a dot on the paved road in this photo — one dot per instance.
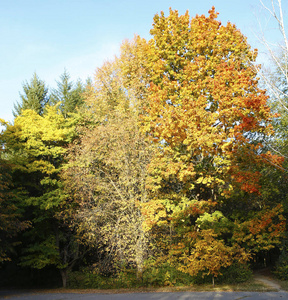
[148, 296]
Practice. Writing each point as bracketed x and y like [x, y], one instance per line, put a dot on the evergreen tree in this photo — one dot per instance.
[68, 93]
[35, 96]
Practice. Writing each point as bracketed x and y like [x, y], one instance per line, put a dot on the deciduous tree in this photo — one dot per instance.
[108, 165]
[11, 219]
[36, 145]
[204, 110]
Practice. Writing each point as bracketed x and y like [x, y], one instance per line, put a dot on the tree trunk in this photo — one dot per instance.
[139, 259]
[63, 273]
[139, 266]
[139, 272]
[213, 280]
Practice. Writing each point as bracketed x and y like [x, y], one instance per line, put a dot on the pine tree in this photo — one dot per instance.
[68, 93]
[35, 96]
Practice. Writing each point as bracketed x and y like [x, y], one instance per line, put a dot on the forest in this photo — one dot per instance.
[167, 168]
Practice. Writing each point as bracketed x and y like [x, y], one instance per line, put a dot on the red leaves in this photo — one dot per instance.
[273, 159]
[248, 181]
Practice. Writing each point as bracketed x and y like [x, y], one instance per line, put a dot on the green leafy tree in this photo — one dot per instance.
[36, 146]
[11, 219]
[35, 97]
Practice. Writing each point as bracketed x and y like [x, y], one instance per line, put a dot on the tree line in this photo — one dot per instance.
[159, 170]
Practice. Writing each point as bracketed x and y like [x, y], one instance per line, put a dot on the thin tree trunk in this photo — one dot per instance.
[140, 258]
[63, 273]
[139, 274]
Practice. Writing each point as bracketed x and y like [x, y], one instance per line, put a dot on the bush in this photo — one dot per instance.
[91, 278]
[155, 275]
[164, 274]
[235, 273]
[87, 279]
[281, 268]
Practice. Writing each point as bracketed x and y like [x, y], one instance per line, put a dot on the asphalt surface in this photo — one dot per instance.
[146, 296]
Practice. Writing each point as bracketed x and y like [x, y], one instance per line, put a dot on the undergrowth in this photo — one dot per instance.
[163, 275]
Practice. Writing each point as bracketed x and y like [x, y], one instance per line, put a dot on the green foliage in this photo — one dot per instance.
[165, 274]
[11, 219]
[155, 275]
[36, 145]
[35, 97]
[216, 220]
[68, 95]
[41, 254]
[281, 268]
[233, 274]
[162, 275]
[87, 278]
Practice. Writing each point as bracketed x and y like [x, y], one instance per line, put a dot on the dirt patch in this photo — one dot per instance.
[265, 276]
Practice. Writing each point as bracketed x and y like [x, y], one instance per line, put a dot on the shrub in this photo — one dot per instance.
[235, 273]
[281, 268]
[164, 274]
[155, 275]
[87, 278]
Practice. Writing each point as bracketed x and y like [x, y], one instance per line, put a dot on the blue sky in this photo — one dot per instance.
[47, 36]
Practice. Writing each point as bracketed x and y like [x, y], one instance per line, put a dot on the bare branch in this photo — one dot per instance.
[280, 60]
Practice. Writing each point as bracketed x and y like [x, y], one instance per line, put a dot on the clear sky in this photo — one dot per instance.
[47, 36]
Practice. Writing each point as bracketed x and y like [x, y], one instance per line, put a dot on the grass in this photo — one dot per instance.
[284, 285]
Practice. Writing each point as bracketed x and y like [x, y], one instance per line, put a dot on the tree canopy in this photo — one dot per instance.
[159, 171]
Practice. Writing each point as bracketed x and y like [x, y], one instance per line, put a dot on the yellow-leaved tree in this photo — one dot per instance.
[107, 167]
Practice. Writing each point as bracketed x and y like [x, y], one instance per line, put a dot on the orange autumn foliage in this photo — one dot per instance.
[204, 108]
[203, 101]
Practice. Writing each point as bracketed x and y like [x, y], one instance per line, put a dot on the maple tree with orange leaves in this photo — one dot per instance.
[204, 110]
